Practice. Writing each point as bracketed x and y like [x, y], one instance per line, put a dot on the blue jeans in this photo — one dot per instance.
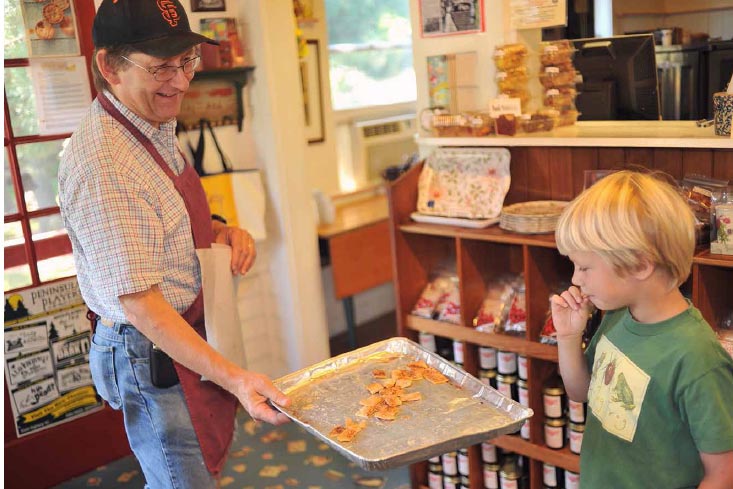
[157, 422]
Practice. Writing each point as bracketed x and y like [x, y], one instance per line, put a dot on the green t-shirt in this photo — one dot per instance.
[659, 394]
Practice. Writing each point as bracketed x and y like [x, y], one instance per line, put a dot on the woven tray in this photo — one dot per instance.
[539, 216]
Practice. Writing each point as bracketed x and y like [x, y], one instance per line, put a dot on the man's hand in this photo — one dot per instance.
[242, 243]
[253, 391]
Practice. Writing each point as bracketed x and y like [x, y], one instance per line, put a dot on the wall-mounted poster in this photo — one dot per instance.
[47, 338]
[532, 14]
[452, 82]
[50, 28]
[446, 17]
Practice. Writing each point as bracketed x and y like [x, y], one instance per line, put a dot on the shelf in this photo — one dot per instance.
[561, 458]
[493, 234]
[522, 346]
[707, 258]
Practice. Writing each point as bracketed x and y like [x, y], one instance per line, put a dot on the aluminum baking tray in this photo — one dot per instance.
[450, 416]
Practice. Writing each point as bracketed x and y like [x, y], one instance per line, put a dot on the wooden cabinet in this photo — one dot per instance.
[482, 255]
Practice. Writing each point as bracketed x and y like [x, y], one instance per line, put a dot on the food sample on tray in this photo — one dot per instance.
[394, 403]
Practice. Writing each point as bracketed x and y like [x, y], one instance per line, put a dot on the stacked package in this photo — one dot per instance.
[511, 79]
[558, 77]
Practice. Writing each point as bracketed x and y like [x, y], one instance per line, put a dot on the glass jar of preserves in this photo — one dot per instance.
[507, 362]
[487, 358]
[509, 476]
[575, 435]
[523, 392]
[463, 461]
[577, 411]
[555, 432]
[552, 476]
[450, 463]
[435, 475]
[491, 476]
[553, 399]
[507, 385]
[488, 453]
[522, 367]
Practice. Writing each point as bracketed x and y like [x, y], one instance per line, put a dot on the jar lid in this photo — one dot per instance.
[522, 383]
[554, 390]
[463, 450]
[555, 421]
[506, 379]
[492, 467]
[509, 472]
[488, 373]
[435, 468]
[576, 426]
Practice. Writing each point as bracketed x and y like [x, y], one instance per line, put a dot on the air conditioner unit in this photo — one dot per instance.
[379, 143]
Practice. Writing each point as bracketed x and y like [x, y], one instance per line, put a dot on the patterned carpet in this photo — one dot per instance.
[264, 457]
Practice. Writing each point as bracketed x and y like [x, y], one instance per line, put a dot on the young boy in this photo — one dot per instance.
[658, 384]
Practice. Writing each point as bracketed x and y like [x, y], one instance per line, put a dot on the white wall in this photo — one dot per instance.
[713, 17]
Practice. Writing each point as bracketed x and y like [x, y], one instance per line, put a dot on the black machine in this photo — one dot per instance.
[619, 78]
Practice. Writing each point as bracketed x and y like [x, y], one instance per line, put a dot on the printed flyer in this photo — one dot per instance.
[47, 339]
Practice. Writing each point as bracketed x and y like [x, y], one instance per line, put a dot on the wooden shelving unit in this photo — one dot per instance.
[479, 256]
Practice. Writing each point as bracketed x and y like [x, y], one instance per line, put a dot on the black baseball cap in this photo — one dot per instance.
[158, 28]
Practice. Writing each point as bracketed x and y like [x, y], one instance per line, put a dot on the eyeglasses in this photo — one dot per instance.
[166, 72]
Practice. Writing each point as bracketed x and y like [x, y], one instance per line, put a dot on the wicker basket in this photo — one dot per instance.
[535, 217]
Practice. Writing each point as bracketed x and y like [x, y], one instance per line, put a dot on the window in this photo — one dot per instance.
[36, 247]
[370, 53]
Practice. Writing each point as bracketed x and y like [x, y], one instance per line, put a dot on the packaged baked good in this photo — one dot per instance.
[554, 77]
[562, 98]
[537, 122]
[512, 80]
[553, 53]
[481, 124]
[462, 125]
[510, 56]
[451, 125]
[506, 125]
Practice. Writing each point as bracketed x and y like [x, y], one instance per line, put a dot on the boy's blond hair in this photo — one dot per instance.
[628, 218]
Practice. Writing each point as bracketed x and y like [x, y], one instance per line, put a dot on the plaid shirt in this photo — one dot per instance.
[128, 225]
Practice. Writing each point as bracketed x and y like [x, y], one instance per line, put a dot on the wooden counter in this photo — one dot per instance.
[631, 134]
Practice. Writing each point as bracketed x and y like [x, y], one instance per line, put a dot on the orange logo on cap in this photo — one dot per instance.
[170, 11]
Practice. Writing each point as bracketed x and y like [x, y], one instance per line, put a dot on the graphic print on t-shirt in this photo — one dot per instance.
[617, 390]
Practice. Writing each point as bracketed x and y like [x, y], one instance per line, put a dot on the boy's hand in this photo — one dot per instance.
[570, 311]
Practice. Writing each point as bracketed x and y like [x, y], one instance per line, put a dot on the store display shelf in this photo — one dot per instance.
[707, 258]
[561, 458]
[515, 344]
[492, 234]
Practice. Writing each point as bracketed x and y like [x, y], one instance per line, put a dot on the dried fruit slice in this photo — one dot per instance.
[379, 374]
[374, 387]
[434, 376]
[411, 396]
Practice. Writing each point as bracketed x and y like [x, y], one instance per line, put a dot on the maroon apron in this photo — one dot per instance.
[212, 409]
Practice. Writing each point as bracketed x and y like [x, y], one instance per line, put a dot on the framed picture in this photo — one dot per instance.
[310, 78]
[448, 17]
[208, 5]
[50, 28]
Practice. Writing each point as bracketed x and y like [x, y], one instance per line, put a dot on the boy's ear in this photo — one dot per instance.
[644, 270]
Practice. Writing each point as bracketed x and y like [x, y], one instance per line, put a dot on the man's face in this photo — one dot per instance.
[153, 100]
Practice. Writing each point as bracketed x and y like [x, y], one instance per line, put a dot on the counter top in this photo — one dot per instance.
[642, 134]
[354, 215]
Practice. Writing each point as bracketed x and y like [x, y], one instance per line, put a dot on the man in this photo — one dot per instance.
[136, 213]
